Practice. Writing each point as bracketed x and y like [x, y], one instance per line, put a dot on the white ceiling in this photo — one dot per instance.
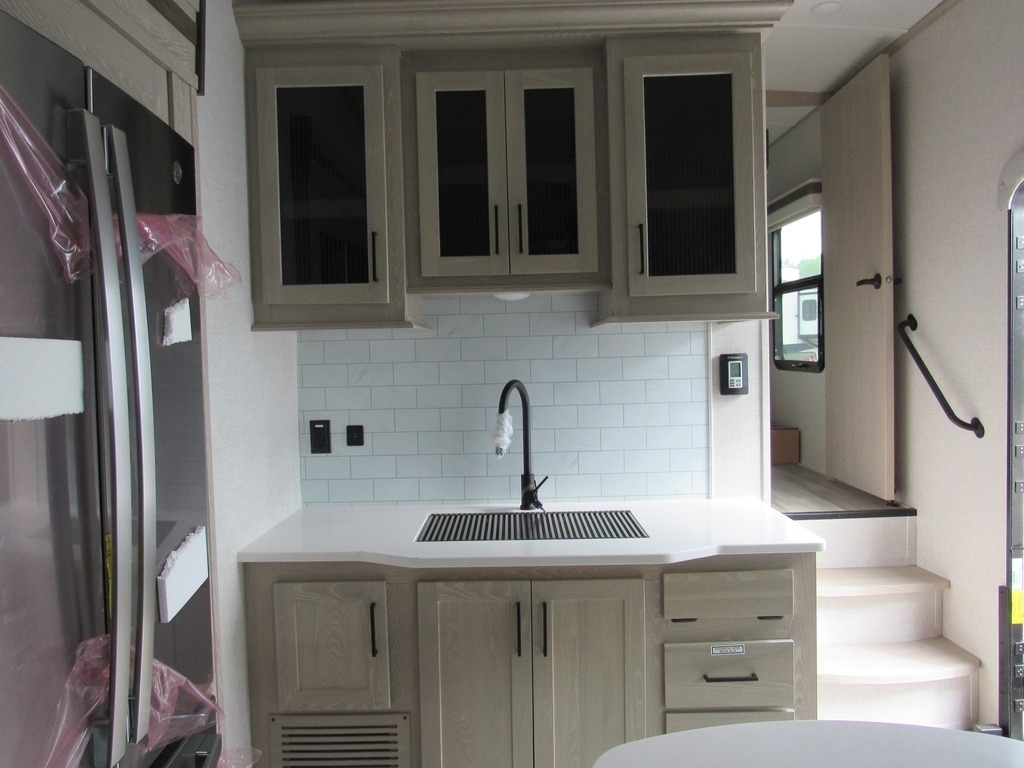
[813, 54]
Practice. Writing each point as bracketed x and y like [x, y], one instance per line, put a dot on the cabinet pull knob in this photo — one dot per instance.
[875, 281]
[643, 255]
[751, 678]
[373, 254]
[373, 630]
[519, 629]
[497, 236]
[520, 207]
[544, 614]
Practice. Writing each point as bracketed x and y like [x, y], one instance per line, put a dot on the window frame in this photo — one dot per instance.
[796, 205]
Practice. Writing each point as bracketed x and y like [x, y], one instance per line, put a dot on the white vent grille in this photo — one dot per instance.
[339, 741]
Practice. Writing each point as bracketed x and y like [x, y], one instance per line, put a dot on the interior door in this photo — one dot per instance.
[857, 244]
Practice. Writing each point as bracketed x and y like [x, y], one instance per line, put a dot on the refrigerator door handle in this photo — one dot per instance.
[85, 147]
[144, 443]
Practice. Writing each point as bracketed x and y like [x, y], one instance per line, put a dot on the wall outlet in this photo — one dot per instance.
[354, 434]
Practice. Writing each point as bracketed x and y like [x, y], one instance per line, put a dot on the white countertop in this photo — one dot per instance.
[678, 531]
[818, 744]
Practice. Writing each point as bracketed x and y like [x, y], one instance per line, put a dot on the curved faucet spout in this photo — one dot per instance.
[528, 485]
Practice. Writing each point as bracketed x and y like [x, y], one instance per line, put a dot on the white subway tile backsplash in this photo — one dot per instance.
[618, 411]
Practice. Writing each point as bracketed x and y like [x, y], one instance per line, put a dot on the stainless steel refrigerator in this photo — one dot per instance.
[92, 502]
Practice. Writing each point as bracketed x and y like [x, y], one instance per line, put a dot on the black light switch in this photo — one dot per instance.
[354, 434]
[320, 436]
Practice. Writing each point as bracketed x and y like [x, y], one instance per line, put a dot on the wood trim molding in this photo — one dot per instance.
[421, 23]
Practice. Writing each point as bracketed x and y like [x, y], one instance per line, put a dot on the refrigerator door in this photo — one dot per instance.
[51, 559]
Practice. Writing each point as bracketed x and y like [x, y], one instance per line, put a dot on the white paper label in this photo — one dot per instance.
[728, 650]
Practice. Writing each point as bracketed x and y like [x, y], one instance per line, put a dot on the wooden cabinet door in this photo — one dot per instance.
[322, 222]
[476, 691]
[589, 669]
[332, 645]
[690, 174]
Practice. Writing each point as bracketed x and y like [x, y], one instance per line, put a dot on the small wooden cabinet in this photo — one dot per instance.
[687, 158]
[507, 181]
[325, 188]
[518, 673]
[332, 646]
[728, 650]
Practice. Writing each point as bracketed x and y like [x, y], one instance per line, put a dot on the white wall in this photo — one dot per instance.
[617, 411]
[958, 116]
[251, 376]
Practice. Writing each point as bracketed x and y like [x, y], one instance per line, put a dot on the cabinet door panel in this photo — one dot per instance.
[332, 645]
[588, 669]
[463, 191]
[549, 117]
[475, 685]
[322, 217]
[689, 174]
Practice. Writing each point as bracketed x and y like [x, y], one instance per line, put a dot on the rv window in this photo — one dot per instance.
[798, 333]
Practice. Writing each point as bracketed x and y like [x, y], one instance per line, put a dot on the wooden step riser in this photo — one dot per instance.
[866, 542]
[891, 618]
[948, 703]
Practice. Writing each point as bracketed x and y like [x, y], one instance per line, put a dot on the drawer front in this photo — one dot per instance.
[756, 673]
[686, 721]
[750, 604]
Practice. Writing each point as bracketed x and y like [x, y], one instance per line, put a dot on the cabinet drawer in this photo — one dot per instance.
[685, 721]
[757, 673]
[747, 604]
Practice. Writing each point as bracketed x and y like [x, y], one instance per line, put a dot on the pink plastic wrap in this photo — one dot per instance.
[28, 160]
[180, 708]
[181, 237]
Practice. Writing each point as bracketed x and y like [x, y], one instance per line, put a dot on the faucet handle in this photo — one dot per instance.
[541, 483]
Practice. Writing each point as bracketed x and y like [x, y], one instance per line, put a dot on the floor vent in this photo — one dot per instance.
[340, 741]
[531, 526]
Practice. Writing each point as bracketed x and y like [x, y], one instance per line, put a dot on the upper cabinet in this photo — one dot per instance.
[327, 213]
[151, 50]
[507, 182]
[687, 175]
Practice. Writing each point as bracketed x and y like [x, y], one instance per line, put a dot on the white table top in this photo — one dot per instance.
[678, 531]
[818, 744]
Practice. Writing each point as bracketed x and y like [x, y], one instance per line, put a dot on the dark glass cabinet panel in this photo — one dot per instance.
[691, 214]
[462, 182]
[323, 186]
[549, 117]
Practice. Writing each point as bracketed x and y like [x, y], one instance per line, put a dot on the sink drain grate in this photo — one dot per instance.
[531, 526]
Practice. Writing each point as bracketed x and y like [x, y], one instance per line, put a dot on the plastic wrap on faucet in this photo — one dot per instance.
[26, 156]
[502, 434]
[180, 236]
[242, 757]
[179, 707]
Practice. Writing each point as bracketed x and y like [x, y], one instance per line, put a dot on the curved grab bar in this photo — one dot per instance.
[974, 425]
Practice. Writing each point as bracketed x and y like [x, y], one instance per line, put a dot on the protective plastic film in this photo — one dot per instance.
[61, 209]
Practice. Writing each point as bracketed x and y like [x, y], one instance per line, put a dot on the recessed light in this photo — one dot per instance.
[830, 8]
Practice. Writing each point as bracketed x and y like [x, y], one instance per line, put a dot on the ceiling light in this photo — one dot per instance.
[830, 8]
[512, 295]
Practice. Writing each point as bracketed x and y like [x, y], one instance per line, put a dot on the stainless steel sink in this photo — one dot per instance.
[528, 526]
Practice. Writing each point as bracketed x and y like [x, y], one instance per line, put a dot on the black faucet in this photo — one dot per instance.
[529, 487]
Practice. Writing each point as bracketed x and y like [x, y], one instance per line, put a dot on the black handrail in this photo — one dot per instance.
[974, 425]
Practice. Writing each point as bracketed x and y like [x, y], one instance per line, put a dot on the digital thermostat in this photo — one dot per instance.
[732, 373]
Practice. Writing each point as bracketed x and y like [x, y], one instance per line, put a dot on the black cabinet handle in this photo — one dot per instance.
[751, 678]
[497, 236]
[643, 257]
[520, 208]
[683, 620]
[373, 630]
[373, 254]
[519, 629]
[544, 614]
[770, 618]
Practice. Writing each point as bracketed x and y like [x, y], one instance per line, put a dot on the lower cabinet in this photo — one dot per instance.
[332, 645]
[521, 673]
[728, 652]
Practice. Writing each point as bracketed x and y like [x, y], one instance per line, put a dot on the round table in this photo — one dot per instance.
[818, 744]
